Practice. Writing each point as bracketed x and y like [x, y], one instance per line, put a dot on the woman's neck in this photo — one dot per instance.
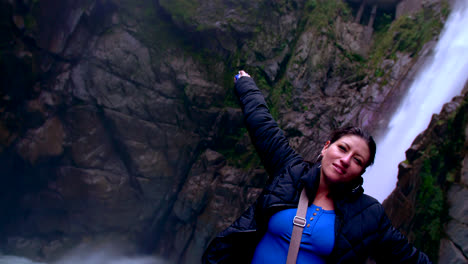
[323, 197]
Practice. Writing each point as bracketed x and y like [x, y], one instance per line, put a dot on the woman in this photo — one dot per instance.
[343, 224]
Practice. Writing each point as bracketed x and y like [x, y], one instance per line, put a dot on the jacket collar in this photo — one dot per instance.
[311, 181]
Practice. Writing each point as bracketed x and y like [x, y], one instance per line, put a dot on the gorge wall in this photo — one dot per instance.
[118, 120]
[432, 186]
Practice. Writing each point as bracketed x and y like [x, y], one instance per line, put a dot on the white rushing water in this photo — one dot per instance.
[85, 254]
[442, 77]
[85, 258]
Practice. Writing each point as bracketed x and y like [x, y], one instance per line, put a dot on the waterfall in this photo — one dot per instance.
[87, 259]
[91, 254]
[439, 80]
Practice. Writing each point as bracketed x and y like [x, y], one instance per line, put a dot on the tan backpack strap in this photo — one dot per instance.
[299, 223]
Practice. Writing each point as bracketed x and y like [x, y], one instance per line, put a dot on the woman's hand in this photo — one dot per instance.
[240, 75]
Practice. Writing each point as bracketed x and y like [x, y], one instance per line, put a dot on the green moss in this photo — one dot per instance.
[149, 12]
[445, 11]
[238, 157]
[383, 21]
[154, 31]
[30, 22]
[351, 56]
[244, 160]
[30, 13]
[352, 66]
[310, 5]
[182, 10]
[279, 94]
[230, 100]
[441, 167]
[430, 214]
[406, 34]
[322, 14]
[379, 72]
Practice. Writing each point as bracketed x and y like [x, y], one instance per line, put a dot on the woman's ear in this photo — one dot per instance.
[327, 144]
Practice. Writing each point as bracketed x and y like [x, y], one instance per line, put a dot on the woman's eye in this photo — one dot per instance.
[358, 161]
[342, 148]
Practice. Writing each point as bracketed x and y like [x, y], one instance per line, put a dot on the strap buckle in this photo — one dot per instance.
[299, 221]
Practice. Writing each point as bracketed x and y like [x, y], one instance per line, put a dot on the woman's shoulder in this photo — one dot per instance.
[367, 199]
[364, 204]
[291, 175]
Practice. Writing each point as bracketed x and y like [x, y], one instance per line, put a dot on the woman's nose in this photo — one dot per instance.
[345, 160]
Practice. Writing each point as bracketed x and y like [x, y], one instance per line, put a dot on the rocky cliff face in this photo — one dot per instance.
[118, 120]
[432, 186]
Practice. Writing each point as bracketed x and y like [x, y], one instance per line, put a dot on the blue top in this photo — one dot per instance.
[317, 241]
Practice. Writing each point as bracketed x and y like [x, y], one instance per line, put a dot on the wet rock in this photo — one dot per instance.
[413, 153]
[450, 254]
[210, 184]
[404, 167]
[132, 101]
[43, 142]
[96, 200]
[401, 206]
[193, 196]
[352, 35]
[24, 247]
[464, 174]
[458, 234]
[458, 210]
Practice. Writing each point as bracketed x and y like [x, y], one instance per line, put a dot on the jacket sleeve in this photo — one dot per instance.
[394, 246]
[237, 243]
[269, 140]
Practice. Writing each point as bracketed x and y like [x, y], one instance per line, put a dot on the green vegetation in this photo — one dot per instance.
[236, 153]
[383, 21]
[406, 34]
[379, 73]
[430, 212]
[154, 31]
[181, 10]
[352, 67]
[441, 164]
[161, 35]
[280, 96]
[230, 100]
[322, 14]
[30, 22]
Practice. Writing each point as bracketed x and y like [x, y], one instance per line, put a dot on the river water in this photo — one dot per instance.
[439, 80]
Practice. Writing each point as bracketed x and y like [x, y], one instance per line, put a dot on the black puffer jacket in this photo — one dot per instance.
[362, 229]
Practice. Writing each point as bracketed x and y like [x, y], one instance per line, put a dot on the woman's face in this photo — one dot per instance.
[345, 159]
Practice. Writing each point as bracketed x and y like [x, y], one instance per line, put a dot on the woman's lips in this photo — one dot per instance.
[339, 169]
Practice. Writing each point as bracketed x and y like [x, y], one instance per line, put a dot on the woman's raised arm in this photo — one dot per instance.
[269, 140]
